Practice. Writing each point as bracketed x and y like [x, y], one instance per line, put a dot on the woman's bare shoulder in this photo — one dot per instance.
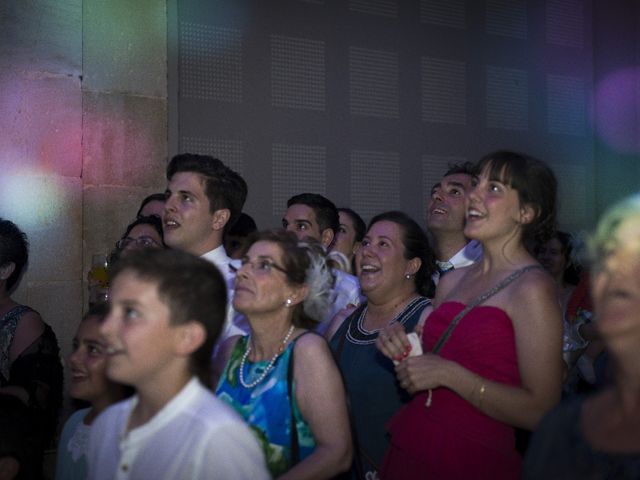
[310, 341]
[535, 284]
[28, 330]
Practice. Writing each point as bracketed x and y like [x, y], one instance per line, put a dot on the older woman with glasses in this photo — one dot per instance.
[297, 408]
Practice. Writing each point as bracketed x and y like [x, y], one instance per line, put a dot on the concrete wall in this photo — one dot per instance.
[83, 137]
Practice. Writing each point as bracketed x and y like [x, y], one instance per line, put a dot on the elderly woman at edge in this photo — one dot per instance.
[599, 437]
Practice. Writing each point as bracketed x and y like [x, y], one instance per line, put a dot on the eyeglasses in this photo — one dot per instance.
[261, 266]
[141, 242]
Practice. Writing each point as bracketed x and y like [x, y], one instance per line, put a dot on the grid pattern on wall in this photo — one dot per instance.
[210, 62]
[375, 182]
[368, 101]
[231, 150]
[297, 73]
[296, 169]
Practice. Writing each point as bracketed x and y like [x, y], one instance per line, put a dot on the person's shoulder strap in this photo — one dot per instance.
[343, 329]
[16, 312]
[480, 299]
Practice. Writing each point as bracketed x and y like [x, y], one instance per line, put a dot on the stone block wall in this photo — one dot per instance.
[83, 122]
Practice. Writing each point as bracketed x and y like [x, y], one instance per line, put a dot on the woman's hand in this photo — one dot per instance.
[422, 372]
[392, 341]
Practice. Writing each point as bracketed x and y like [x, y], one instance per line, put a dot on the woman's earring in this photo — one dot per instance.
[407, 276]
[288, 302]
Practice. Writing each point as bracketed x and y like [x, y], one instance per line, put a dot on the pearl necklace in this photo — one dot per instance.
[268, 367]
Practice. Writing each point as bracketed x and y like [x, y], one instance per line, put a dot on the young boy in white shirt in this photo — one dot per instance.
[167, 310]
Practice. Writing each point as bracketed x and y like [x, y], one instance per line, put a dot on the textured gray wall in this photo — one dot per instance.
[367, 101]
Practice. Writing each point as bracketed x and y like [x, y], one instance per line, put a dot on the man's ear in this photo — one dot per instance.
[220, 218]
[191, 336]
[528, 213]
[6, 270]
[326, 237]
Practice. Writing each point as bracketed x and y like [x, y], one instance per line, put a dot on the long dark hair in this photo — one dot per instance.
[14, 248]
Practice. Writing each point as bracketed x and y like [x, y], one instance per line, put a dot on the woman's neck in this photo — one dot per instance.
[504, 255]
[448, 244]
[381, 311]
[267, 335]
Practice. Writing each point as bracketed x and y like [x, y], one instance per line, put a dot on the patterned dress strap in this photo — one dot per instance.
[8, 324]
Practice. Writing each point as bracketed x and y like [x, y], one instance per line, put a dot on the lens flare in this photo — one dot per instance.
[617, 101]
[32, 200]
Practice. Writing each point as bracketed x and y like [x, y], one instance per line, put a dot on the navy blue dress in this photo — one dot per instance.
[559, 450]
[373, 391]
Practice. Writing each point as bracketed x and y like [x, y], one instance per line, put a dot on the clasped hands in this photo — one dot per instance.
[414, 373]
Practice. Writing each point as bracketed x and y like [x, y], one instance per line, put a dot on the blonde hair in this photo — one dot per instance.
[605, 237]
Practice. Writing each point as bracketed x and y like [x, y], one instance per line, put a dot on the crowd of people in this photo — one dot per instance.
[332, 348]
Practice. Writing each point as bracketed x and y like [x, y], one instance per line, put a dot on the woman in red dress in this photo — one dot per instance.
[501, 365]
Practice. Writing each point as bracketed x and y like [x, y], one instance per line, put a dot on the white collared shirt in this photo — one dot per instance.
[235, 323]
[194, 436]
[467, 255]
[347, 292]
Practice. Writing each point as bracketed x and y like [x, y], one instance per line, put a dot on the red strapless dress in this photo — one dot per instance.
[452, 439]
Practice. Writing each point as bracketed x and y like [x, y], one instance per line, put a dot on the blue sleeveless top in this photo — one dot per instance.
[267, 406]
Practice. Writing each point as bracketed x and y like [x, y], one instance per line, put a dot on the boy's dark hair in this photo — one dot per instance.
[192, 288]
[358, 223]
[326, 212]
[14, 248]
[154, 197]
[224, 187]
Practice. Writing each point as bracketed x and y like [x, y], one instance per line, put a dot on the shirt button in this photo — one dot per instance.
[124, 467]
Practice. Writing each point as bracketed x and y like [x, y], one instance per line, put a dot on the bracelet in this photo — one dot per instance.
[428, 402]
[481, 396]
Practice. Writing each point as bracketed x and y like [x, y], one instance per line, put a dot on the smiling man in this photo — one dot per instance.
[310, 215]
[204, 197]
[446, 218]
